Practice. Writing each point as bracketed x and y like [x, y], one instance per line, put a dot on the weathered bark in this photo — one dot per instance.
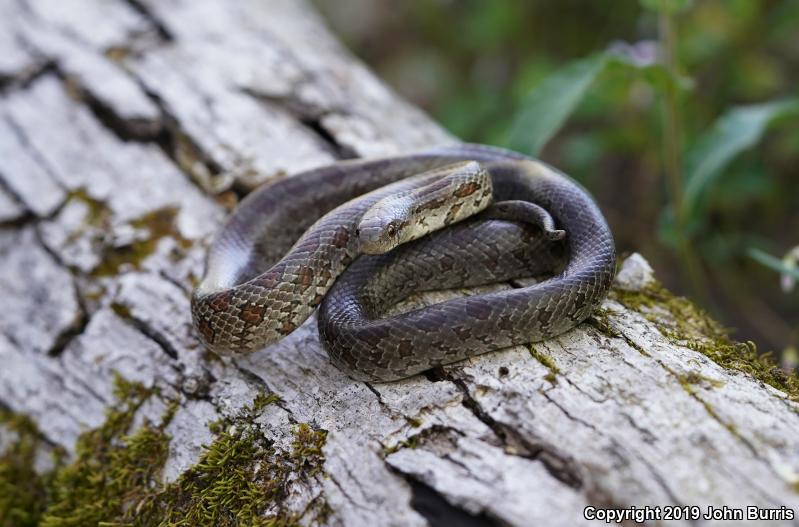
[126, 128]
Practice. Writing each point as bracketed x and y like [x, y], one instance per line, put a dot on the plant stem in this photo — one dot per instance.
[673, 157]
[672, 132]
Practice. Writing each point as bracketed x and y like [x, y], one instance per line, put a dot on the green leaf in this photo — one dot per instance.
[668, 7]
[735, 131]
[551, 102]
[774, 263]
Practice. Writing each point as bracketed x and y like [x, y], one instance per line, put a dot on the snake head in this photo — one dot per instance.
[440, 196]
[380, 230]
[380, 238]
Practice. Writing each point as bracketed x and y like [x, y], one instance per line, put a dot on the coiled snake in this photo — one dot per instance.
[281, 252]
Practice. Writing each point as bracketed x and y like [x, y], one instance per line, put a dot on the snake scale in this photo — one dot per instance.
[284, 251]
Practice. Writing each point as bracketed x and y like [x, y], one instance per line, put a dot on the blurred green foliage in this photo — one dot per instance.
[680, 116]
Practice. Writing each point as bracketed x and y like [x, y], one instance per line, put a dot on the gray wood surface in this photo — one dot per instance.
[123, 127]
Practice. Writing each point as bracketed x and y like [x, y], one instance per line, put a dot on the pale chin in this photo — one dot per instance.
[375, 247]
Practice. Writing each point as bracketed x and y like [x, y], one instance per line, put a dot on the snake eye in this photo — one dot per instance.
[391, 229]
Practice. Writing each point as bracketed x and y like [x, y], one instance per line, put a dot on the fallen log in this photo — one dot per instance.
[127, 130]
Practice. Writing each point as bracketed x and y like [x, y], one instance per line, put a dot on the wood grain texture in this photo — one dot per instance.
[120, 124]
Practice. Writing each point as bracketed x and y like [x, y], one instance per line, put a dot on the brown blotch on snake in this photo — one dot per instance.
[466, 189]
[205, 329]
[305, 276]
[253, 260]
[252, 314]
[341, 237]
[430, 205]
[221, 302]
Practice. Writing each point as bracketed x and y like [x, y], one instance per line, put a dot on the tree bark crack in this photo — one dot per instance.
[440, 512]
[558, 465]
[148, 331]
[148, 15]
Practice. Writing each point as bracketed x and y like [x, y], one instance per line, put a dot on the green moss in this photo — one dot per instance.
[262, 400]
[97, 216]
[414, 421]
[216, 427]
[24, 493]
[434, 434]
[241, 479]
[548, 362]
[306, 449]
[113, 467]
[234, 483]
[685, 318]
[121, 310]
[411, 442]
[687, 325]
[689, 383]
[159, 224]
[694, 379]
[98, 212]
[599, 320]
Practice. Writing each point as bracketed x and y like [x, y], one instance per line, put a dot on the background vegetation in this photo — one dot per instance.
[681, 117]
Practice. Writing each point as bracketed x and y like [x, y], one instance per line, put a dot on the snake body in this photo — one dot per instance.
[287, 243]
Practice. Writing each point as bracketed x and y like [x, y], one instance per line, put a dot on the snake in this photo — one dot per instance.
[351, 239]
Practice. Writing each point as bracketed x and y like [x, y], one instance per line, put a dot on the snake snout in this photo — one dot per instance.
[377, 235]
